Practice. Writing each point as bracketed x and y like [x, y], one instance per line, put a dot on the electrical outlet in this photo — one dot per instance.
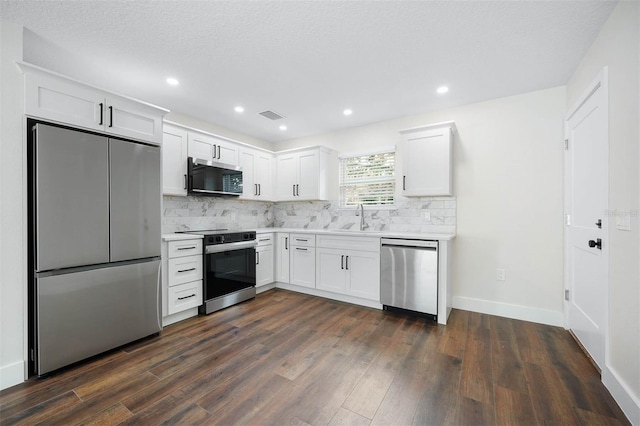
[426, 216]
[501, 275]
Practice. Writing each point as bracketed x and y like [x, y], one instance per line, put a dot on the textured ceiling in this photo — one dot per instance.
[309, 60]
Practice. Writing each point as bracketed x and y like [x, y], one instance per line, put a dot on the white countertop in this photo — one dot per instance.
[176, 237]
[348, 232]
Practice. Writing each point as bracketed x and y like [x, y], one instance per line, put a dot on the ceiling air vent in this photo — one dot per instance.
[271, 115]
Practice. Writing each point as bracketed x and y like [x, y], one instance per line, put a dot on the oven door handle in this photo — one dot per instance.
[220, 248]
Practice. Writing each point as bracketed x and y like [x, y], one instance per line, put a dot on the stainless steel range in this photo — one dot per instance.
[229, 268]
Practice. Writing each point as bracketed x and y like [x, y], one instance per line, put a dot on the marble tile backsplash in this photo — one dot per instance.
[194, 213]
[407, 216]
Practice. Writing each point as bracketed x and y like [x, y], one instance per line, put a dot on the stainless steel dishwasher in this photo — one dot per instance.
[409, 275]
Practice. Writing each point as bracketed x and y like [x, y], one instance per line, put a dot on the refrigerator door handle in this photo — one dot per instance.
[159, 296]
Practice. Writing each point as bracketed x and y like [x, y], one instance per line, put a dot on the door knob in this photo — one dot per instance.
[599, 223]
[597, 244]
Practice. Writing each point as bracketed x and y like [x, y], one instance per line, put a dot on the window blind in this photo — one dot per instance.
[368, 179]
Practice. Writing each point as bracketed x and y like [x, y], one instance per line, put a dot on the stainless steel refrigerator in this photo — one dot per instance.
[95, 244]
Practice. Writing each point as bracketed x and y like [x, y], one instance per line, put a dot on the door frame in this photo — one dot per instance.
[600, 82]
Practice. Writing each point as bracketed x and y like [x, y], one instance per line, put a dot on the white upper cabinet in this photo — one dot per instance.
[210, 148]
[428, 160]
[257, 174]
[174, 160]
[57, 98]
[306, 174]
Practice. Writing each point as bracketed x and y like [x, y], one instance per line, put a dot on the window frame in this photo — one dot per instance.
[366, 153]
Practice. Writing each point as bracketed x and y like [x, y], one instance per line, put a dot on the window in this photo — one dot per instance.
[368, 179]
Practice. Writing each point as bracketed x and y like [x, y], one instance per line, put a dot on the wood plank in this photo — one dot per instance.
[477, 381]
[508, 370]
[44, 410]
[551, 403]
[472, 412]
[512, 408]
[113, 415]
[345, 417]
[439, 400]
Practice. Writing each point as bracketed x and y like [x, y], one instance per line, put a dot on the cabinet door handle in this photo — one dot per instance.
[259, 189]
[342, 262]
[264, 239]
[187, 270]
[187, 248]
[297, 190]
[346, 263]
[301, 249]
[286, 243]
[255, 189]
[257, 258]
[294, 190]
[185, 181]
[101, 113]
[215, 155]
[110, 116]
[187, 297]
[404, 183]
[300, 239]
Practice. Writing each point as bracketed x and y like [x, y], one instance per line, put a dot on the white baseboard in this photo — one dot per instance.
[11, 375]
[264, 288]
[628, 402]
[519, 312]
[329, 295]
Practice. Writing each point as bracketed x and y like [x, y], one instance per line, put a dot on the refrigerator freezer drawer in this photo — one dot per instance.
[82, 314]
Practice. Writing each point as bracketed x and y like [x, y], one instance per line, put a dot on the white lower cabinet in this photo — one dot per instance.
[181, 278]
[303, 260]
[283, 248]
[345, 271]
[264, 260]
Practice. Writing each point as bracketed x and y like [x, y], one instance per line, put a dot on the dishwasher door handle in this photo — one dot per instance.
[408, 243]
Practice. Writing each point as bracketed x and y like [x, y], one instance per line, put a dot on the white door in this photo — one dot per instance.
[287, 177]
[587, 225]
[308, 178]
[331, 274]
[249, 185]
[363, 274]
[174, 161]
[264, 175]
[282, 257]
[200, 146]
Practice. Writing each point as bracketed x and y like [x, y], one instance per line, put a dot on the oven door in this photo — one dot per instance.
[229, 268]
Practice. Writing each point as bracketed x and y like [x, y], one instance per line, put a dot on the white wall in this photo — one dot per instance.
[617, 47]
[508, 183]
[12, 217]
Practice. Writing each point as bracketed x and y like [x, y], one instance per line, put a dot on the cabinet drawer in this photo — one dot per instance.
[354, 242]
[184, 269]
[185, 248]
[303, 240]
[184, 296]
[264, 239]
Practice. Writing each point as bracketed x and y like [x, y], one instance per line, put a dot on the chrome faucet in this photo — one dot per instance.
[363, 225]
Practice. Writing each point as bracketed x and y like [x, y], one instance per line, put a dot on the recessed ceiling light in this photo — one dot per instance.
[172, 81]
[239, 109]
[347, 112]
[283, 127]
[442, 90]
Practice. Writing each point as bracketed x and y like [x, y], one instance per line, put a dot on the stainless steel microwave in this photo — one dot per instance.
[209, 178]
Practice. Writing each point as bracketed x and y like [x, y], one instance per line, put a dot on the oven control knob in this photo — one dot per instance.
[210, 239]
[220, 239]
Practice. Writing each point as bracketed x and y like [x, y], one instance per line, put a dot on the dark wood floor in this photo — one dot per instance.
[287, 358]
